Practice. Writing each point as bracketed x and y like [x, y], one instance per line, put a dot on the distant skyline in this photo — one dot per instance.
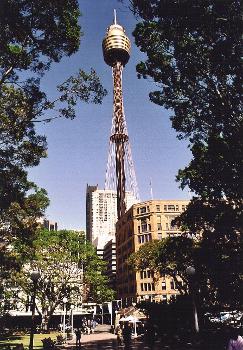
[78, 149]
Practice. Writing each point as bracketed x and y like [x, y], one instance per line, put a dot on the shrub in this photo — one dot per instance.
[48, 344]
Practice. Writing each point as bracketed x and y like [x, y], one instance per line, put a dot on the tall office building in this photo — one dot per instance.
[144, 222]
[101, 214]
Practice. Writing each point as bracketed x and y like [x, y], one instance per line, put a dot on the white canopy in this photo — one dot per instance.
[129, 319]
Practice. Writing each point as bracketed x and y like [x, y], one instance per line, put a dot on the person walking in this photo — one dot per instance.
[119, 335]
[127, 334]
[78, 337]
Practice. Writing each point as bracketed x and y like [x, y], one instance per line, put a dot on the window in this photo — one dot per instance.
[172, 284]
[148, 210]
[171, 207]
[137, 210]
[147, 238]
[153, 287]
[165, 207]
[145, 287]
[141, 275]
[144, 227]
[163, 285]
[183, 207]
[139, 229]
[141, 285]
[148, 274]
[149, 287]
[177, 207]
[143, 210]
[157, 207]
[159, 226]
[149, 227]
[159, 236]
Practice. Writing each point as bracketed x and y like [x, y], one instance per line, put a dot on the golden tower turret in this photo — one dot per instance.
[116, 45]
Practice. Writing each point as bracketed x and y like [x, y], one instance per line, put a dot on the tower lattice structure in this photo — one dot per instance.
[120, 173]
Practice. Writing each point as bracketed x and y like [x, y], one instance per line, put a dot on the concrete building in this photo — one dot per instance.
[109, 255]
[101, 214]
[142, 223]
[50, 225]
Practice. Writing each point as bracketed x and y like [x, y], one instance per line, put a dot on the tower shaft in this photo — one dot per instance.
[119, 138]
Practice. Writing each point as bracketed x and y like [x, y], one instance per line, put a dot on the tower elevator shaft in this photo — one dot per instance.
[119, 138]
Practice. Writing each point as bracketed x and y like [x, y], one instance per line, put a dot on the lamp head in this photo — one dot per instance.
[190, 271]
[64, 300]
[35, 275]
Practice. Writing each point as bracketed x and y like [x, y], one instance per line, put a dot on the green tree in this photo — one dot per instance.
[170, 256]
[34, 34]
[194, 56]
[68, 266]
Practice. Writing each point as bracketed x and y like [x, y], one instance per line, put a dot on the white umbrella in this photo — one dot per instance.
[132, 319]
[123, 319]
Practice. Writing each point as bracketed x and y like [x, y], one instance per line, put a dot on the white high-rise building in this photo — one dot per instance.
[101, 214]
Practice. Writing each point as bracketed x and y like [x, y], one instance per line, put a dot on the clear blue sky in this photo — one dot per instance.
[78, 149]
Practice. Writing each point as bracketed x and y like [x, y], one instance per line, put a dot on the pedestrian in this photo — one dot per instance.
[126, 334]
[78, 337]
[93, 325]
[235, 341]
[119, 335]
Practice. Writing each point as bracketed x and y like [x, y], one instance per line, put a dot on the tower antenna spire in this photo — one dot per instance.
[115, 16]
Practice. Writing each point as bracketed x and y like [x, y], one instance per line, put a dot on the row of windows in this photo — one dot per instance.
[147, 287]
[164, 286]
[146, 274]
[144, 238]
[147, 227]
[144, 228]
[167, 207]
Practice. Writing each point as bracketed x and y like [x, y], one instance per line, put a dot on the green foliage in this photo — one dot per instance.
[194, 56]
[169, 256]
[170, 317]
[68, 266]
[34, 34]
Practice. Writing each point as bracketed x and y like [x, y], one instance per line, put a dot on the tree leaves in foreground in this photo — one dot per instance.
[194, 55]
[68, 266]
[34, 34]
[169, 256]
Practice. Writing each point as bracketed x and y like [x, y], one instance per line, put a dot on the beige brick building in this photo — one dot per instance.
[142, 223]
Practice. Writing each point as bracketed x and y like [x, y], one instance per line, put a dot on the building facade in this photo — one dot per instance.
[109, 255]
[142, 223]
[101, 214]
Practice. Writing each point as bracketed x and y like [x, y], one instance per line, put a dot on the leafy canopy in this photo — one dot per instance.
[193, 54]
[34, 34]
[68, 266]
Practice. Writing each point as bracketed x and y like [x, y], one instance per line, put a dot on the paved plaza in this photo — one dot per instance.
[102, 339]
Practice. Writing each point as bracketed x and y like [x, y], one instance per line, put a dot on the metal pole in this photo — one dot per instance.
[64, 320]
[32, 317]
[195, 315]
[72, 320]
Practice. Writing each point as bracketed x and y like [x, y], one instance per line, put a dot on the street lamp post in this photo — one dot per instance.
[35, 275]
[190, 271]
[72, 307]
[64, 317]
[135, 324]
